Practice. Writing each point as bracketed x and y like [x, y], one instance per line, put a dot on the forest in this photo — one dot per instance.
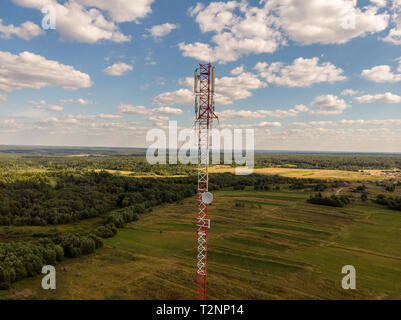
[64, 197]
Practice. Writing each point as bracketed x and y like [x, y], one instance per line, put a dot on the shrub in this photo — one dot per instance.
[390, 202]
[123, 216]
[390, 188]
[297, 185]
[332, 201]
[239, 187]
[239, 203]
[75, 245]
[107, 231]
[320, 187]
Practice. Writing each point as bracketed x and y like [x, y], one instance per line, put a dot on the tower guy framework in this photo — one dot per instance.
[204, 81]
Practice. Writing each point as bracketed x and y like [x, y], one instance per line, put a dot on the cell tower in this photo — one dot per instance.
[204, 81]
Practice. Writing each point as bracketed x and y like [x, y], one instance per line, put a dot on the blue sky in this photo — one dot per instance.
[306, 75]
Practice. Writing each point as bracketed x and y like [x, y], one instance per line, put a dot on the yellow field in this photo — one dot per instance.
[369, 175]
[140, 175]
[308, 173]
[286, 172]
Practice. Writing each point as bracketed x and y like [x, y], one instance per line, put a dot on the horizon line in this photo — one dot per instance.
[144, 148]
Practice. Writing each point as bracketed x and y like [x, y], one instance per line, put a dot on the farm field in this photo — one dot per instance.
[141, 174]
[262, 245]
[322, 174]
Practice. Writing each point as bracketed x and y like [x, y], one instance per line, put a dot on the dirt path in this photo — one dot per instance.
[338, 191]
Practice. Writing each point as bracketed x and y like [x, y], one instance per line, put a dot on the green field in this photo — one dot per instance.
[275, 247]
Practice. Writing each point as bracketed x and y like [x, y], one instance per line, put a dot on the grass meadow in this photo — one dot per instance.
[261, 245]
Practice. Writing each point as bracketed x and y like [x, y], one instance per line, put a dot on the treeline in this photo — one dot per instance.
[332, 201]
[350, 162]
[268, 182]
[135, 161]
[265, 182]
[390, 202]
[136, 164]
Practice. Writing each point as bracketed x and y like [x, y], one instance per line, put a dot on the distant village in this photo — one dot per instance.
[392, 173]
[393, 177]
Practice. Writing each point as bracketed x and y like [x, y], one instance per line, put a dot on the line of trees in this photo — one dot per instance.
[351, 162]
[390, 202]
[332, 201]
[125, 160]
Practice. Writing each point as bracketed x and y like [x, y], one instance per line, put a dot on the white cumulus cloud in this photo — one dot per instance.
[42, 105]
[162, 30]
[122, 10]
[29, 70]
[231, 89]
[239, 30]
[159, 121]
[130, 109]
[387, 97]
[179, 97]
[242, 29]
[248, 114]
[228, 90]
[328, 105]
[118, 69]
[346, 122]
[79, 101]
[379, 3]
[267, 124]
[394, 35]
[328, 21]
[26, 31]
[381, 74]
[92, 21]
[238, 70]
[301, 73]
[349, 92]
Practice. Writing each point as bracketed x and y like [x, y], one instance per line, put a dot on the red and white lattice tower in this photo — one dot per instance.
[204, 110]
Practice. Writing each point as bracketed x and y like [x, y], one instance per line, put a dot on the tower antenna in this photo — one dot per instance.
[204, 82]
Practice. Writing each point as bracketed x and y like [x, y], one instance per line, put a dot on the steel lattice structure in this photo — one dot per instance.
[204, 109]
